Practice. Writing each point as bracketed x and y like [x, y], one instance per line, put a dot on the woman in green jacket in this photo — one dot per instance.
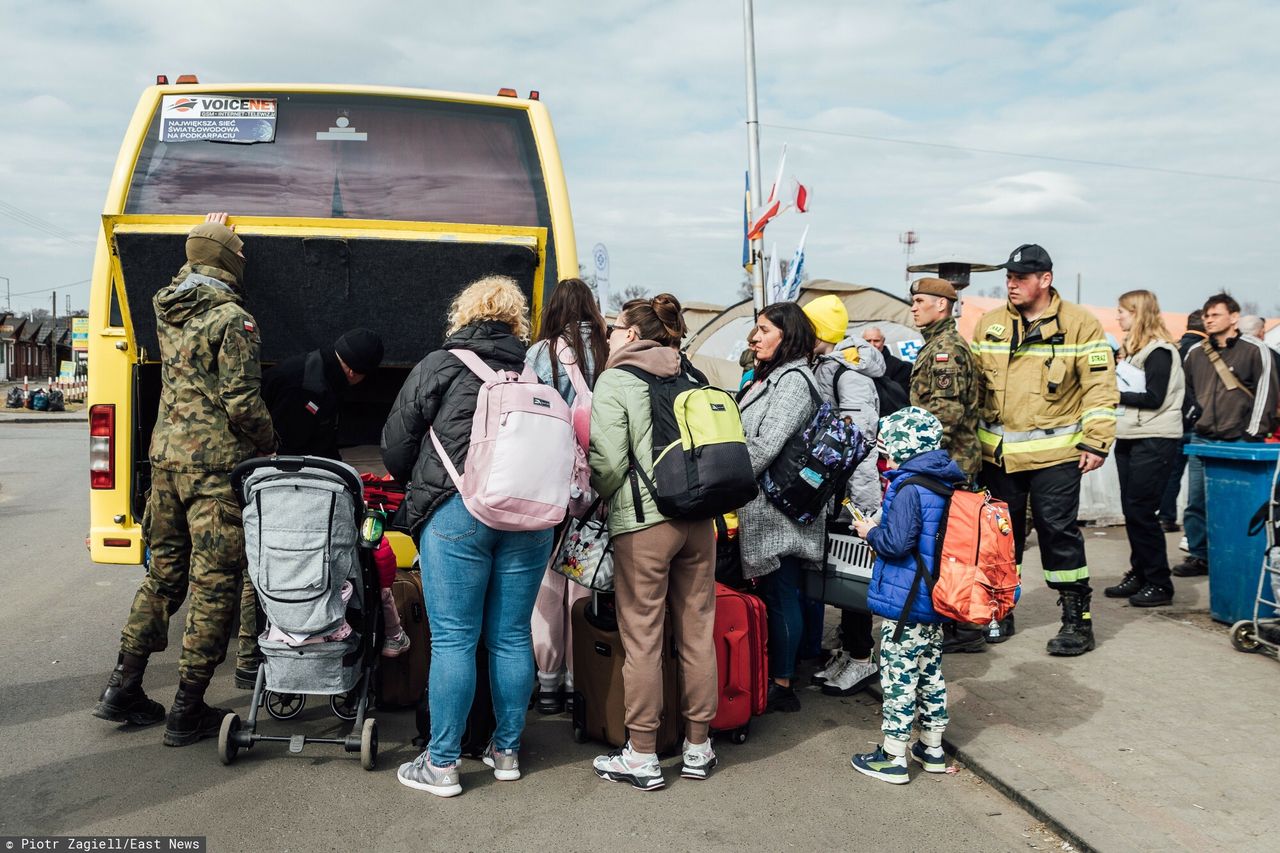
[658, 562]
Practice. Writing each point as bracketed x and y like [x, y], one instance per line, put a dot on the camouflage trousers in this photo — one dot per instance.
[252, 623]
[911, 680]
[192, 524]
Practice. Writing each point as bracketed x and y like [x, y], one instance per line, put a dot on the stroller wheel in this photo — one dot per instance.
[227, 746]
[1244, 636]
[369, 744]
[345, 705]
[285, 706]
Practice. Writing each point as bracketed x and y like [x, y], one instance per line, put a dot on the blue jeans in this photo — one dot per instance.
[1193, 517]
[476, 578]
[786, 619]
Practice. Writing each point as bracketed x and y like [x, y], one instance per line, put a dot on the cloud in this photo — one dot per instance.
[1042, 195]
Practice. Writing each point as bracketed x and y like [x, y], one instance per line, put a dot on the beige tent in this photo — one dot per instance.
[716, 347]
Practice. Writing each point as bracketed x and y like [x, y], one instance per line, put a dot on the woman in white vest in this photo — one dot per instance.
[1148, 440]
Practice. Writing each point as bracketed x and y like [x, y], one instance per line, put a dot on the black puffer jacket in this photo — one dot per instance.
[440, 393]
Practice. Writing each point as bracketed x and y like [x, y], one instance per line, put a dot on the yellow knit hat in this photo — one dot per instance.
[829, 318]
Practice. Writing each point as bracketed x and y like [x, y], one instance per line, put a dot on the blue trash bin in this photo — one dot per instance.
[1237, 477]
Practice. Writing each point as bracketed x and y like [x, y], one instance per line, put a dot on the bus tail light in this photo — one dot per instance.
[162, 79]
[533, 94]
[507, 93]
[102, 440]
[187, 78]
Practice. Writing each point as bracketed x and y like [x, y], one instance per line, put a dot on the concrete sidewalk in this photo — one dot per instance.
[1163, 738]
[27, 416]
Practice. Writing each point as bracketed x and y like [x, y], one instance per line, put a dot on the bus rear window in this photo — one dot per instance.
[388, 158]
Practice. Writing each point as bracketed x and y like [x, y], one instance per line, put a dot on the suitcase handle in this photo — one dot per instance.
[737, 668]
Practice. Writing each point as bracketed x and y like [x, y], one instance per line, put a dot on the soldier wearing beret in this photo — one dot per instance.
[943, 380]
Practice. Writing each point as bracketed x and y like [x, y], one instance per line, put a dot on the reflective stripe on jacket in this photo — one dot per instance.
[1047, 394]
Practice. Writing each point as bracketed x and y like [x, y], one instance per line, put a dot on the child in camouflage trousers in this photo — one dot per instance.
[906, 543]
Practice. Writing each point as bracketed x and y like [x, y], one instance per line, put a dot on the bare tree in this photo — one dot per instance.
[631, 291]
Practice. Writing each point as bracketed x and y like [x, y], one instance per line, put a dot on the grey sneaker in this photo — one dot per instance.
[856, 675]
[699, 760]
[505, 763]
[623, 765]
[425, 776]
[836, 663]
[393, 647]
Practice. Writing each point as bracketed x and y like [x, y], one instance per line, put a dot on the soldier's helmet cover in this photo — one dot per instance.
[907, 433]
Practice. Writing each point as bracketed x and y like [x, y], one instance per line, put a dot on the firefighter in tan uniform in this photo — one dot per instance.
[1047, 415]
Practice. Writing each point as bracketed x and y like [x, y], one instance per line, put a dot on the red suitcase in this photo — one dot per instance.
[742, 661]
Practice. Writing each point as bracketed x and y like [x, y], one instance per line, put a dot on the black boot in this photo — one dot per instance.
[1004, 630]
[1129, 585]
[123, 701]
[1075, 637]
[190, 719]
[962, 638]
[781, 698]
[246, 675]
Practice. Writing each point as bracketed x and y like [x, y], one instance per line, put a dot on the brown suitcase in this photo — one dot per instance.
[402, 681]
[599, 711]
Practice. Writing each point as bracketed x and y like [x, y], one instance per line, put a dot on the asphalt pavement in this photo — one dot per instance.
[64, 772]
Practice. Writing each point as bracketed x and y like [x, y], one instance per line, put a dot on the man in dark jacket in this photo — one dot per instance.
[894, 387]
[1231, 396]
[192, 522]
[304, 394]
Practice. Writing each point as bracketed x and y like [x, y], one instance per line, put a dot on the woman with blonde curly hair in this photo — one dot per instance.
[476, 579]
[1148, 440]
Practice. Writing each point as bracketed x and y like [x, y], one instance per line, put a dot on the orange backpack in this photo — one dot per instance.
[976, 580]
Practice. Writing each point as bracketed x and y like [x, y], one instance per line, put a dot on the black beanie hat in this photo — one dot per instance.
[360, 350]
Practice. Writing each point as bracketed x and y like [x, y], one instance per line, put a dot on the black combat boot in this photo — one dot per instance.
[962, 638]
[123, 701]
[190, 719]
[1075, 637]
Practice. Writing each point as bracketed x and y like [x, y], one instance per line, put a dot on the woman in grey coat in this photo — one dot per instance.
[778, 404]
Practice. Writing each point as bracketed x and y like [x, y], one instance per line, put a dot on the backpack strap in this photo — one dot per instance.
[476, 365]
[943, 491]
[1228, 378]
[808, 381]
[576, 378]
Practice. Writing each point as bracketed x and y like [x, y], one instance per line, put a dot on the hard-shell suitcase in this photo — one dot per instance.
[402, 681]
[742, 661]
[599, 710]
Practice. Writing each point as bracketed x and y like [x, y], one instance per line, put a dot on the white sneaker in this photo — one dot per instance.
[1183, 546]
[623, 765]
[505, 763]
[834, 665]
[854, 677]
[699, 760]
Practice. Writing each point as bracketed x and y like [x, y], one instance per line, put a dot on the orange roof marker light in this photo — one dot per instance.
[187, 78]
[162, 79]
[507, 93]
[533, 94]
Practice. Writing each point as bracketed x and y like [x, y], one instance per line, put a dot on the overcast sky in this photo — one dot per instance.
[648, 101]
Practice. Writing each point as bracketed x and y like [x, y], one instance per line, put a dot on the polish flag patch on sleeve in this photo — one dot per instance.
[312, 407]
[942, 356]
[249, 327]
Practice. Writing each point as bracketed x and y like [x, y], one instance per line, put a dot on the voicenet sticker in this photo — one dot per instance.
[217, 118]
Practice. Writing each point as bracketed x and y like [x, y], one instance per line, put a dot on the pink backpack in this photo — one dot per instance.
[520, 459]
[581, 495]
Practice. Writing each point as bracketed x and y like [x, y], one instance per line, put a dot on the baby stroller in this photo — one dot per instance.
[316, 583]
[1262, 634]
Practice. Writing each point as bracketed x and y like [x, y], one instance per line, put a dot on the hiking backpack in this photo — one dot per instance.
[815, 464]
[581, 495]
[976, 579]
[520, 455]
[701, 467]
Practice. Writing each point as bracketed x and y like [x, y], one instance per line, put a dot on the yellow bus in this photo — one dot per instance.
[359, 206]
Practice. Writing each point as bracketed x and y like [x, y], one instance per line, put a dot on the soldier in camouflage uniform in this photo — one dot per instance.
[943, 379]
[907, 543]
[211, 418]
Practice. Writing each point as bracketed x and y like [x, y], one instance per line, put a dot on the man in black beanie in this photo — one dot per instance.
[304, 394]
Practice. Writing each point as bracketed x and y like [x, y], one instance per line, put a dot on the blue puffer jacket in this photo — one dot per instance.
[910, 521]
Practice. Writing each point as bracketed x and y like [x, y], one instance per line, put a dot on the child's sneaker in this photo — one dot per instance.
[505, 763]
[931, 758]
[425, 776]
[393, 647]
[855, 676]
[837, 662]
[623, 765]
[699, 760]
[880, 765]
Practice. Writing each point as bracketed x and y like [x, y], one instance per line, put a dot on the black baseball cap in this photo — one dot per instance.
[1029, 258]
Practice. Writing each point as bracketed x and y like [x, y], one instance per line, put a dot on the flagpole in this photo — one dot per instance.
[753, 151]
